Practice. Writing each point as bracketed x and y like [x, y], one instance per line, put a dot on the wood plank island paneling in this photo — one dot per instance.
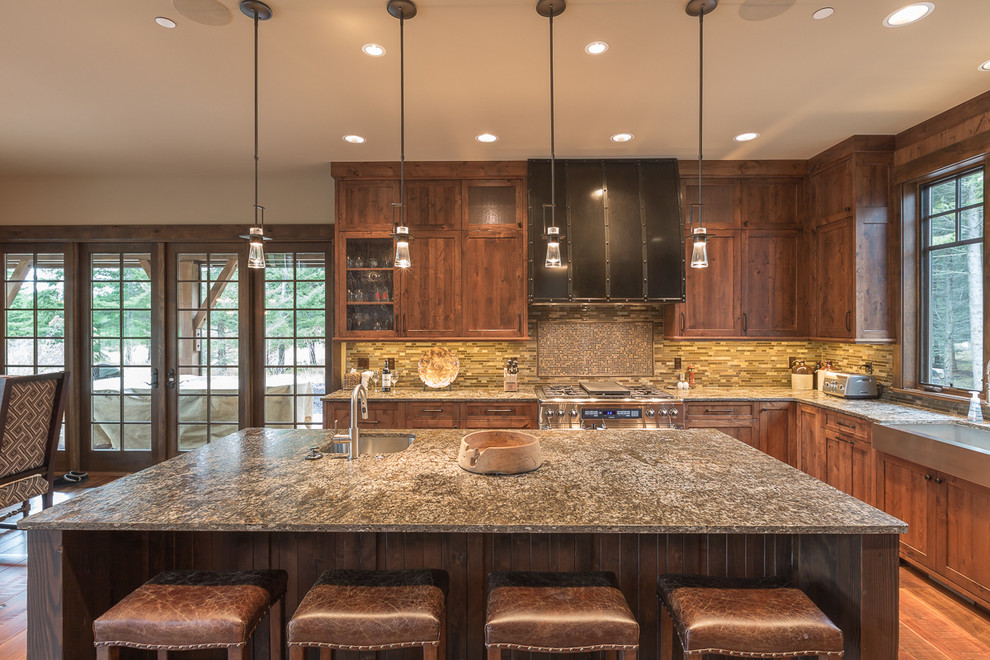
[852, 578]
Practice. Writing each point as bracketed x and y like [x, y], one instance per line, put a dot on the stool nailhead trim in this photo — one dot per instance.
[372, 647]
[565, 649]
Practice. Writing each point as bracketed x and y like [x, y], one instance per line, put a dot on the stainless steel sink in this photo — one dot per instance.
[956, 449]
[374, 443]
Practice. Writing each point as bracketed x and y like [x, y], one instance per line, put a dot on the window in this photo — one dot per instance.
[952, 276]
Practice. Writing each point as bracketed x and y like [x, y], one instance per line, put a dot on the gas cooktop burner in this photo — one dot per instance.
[564, 391]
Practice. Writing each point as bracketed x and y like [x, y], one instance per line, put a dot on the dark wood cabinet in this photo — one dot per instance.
[735, 418]
[771, 203]
[467, 279]
[776, 423]
[430, 291]
[436, 414]
[949, 523]
[770, 306]
[720, 202]
[850, 281]
[494, 271]
[849, 463]
[711, 301]
[811, 441]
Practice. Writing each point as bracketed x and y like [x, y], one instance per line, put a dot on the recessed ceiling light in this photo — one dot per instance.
[824, 12]
[909, 14]
[165, 22]
[596, 48]
[621, 137]
[486, 137]
[746, 137]
[354, 139]
[373, 49]
[985, 66]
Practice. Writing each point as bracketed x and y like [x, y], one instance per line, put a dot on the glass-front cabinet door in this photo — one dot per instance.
[122, 328]
[207, 366]
[368, 287]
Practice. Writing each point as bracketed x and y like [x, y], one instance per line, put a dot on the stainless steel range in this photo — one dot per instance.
[605, 404]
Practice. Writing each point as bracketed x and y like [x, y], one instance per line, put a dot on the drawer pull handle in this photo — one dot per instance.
[371, 421]
[848, 426]
[719, 412]
[432, 410]
[490, 411]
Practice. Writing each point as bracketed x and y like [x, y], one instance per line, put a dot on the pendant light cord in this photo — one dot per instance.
[553, 155]
[402, 119]
[256, 206]
[701, 97]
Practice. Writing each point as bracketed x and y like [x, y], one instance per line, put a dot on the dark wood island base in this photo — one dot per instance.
[74, 576]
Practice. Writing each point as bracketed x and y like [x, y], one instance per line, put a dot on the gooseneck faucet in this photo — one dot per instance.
[986, 382]
[359, 395]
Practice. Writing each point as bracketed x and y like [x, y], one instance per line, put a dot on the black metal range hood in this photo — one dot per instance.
[623, 231]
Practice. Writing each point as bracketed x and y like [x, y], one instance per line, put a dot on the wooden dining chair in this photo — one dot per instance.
[31, 410]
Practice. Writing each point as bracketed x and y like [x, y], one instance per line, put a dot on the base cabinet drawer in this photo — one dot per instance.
[388, 415]
[498, 415]
[718, 409]
[430, 415]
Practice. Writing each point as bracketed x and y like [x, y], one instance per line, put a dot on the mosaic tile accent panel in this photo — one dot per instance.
[717, 363]
[594, 348]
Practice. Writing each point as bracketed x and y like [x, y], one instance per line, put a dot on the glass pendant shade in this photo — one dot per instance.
[699, 254]
[256, 248]
[402, 258]
[553, 247]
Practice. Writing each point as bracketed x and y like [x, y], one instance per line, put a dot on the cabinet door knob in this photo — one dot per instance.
[928, 477]
[939, 480]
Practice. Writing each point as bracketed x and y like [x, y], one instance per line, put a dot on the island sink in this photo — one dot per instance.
[374, 443]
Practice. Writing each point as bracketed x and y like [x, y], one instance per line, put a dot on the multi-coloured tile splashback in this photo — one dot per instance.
[717, 363]
[594, 348]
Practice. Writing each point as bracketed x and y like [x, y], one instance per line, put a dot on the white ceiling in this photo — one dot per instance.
[98, 87]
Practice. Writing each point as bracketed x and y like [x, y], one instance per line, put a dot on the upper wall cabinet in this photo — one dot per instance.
[850, 198]
[752, 286]
[467, 280]
[621, 223]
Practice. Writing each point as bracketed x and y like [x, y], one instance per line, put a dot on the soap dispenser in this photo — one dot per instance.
[975, 411]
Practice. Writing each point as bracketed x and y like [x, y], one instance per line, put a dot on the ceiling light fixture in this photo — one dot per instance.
[354, 139]
[402, 10]
[374, 50]
[746, 137]
[486, 137]
[909, 14]
[699, 235]
[985, 66]
[258, 11]
[622, 137]
[552, 235]
[165, 22]
[596, 48]
[823, 13]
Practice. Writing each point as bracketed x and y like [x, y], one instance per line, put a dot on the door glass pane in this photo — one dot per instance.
[120, 297]
[34, 315]
[295, 339]
[209, 347]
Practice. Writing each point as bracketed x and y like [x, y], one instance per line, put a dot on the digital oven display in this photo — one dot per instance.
[612, 413]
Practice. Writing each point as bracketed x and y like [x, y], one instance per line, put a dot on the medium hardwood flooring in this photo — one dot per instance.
[935, 623]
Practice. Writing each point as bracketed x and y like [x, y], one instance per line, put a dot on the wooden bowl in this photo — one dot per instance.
[500, 452]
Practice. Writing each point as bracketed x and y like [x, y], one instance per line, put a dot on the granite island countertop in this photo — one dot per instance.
[525, 393]
[632, 481]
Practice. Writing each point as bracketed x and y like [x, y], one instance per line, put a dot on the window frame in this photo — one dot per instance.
[925, 251]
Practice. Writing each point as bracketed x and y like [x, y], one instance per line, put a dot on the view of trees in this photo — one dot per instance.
[35, 314]
[954, 280]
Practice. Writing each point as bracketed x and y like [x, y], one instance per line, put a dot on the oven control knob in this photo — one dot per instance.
[547, 412]
[561, 413]
[650, 412]
[574, 412]
[664, 412]
[673, 412]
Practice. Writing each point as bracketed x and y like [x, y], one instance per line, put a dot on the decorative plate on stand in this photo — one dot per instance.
[438, 367]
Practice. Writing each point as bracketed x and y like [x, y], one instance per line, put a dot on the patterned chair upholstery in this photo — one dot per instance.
[30, 419]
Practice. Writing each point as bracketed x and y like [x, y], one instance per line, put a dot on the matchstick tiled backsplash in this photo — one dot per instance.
[562, 352]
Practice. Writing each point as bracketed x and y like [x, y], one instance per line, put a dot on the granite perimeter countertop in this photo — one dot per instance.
[525, 393]
[693, 481]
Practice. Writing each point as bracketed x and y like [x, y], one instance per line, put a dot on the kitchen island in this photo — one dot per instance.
[639, 503]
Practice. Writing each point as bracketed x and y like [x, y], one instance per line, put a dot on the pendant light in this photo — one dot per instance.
[402, 10]
[258, 11]
[552, 235]
[699, 235]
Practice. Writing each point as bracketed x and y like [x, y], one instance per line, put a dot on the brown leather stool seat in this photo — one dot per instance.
[558, 613]
[354, 610]
[749, 618]
[183, 610]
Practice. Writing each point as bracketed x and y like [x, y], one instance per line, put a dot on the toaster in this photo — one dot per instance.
[851, 386]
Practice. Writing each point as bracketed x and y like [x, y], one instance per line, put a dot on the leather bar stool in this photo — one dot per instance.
[355, 610]
[184, 610]
[749, 618]
[559, 613]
